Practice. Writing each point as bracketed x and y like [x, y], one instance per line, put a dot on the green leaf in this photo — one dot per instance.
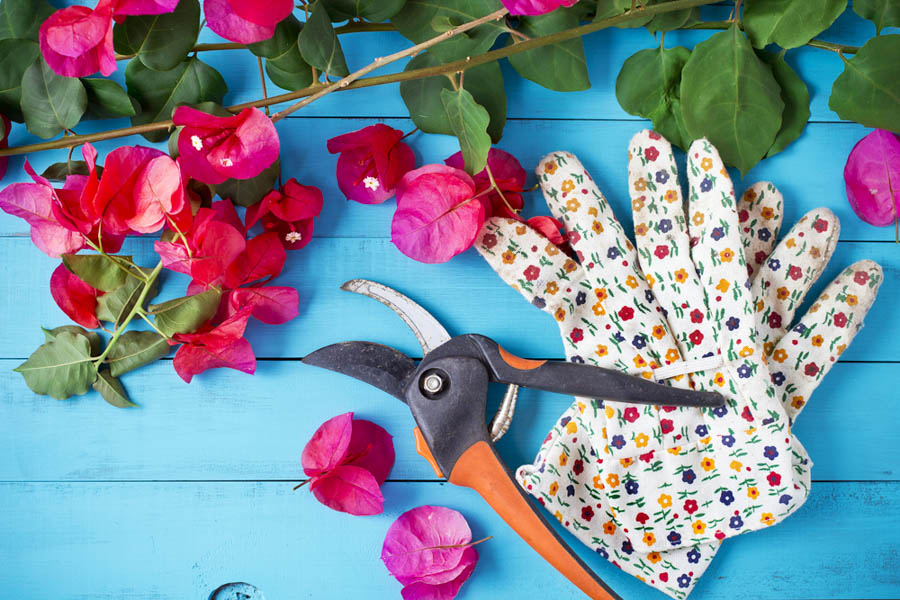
[135, 349]
[21, 19]
[649, 85]
[107, 99]
[15, 58]
[868, 90]
[423, 96]
[674, 20]
[731, 97]
[161, 42]
[97, 270]
[788, 23]
[50, 102]
[884, 13]
[561, 66]
[421, 20]
[92, 336]
[285, 36]
[186, 314]
[284, 65]
[370, 10]
[319, 45]
[247, 192]
[469, 121]
[116, 305]
[796, 101]
[59, 171]
[159, 92]
[112, 391]
[60, 368]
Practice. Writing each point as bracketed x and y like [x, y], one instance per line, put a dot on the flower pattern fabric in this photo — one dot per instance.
[655, 489]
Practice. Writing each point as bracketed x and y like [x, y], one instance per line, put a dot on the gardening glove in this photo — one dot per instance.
[675, 571]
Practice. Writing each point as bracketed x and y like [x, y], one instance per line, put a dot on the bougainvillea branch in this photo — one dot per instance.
[410, 75]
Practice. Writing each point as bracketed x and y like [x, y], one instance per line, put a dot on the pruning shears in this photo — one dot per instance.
[447, 395]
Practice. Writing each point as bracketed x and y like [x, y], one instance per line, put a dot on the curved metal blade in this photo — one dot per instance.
[428, 331]
[376, 364]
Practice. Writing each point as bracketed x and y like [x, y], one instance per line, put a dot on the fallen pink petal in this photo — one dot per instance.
[272, 305]
[425, 541]
[548, 227]
[349, 489]
[328, 445]
[372, 448]
[872, 177]
[436, 218]
[220, 347]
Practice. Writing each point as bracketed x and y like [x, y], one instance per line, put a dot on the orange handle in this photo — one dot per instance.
[480, 469]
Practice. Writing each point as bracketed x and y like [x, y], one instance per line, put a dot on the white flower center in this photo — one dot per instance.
[371, 183]
[196, 142]
[293, 236]
[226, 162]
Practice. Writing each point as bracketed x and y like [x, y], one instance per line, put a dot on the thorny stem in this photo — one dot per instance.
[135, 310]
[451, 67]
[386, 60]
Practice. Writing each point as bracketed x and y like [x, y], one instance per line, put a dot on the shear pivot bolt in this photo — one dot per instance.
[433, 383]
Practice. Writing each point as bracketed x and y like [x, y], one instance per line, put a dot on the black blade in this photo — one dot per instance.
[376, 364]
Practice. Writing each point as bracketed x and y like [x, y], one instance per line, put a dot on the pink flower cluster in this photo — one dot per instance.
[143, 191]
[440, 208]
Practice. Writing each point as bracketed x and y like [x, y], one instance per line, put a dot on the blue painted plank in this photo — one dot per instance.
[227, 425]
[183, 539]
[809, 172]
[464, 294]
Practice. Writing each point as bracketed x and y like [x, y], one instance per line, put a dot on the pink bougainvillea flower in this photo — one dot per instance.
[436, 218]
[213, 149]
[75, 297]
[4, 142]
[214, 348]
[371, 162]
[509, 176]
[142, 7]
[33, 202]
[872, 176]
[347, 460]
[77, 41]
[429, 550]
[140, 191]
[246, 21]
[288, 212]
[535, 7]
[270, 304]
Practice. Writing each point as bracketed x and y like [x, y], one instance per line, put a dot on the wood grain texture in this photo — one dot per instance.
[181, 540]
[192, 489]
[227, 425]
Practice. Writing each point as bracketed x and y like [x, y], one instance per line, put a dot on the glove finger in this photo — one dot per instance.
[805, 355]
[662, 237]
[716, 243]
[591, 226]
[528, 262]
[759, 214]
[787, 275]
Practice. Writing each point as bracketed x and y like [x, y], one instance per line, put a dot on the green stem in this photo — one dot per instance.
[451, 67]
[144, 316]
[135, 310]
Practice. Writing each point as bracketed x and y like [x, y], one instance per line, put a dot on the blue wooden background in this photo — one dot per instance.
[193, 489]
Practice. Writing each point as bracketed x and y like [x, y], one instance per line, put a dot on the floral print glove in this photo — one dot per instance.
[611, 311]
